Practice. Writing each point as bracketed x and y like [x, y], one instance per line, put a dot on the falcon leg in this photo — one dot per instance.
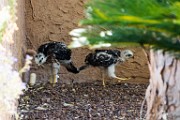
[111, 73]
[103, 80]
[55, 69]
[103, 76]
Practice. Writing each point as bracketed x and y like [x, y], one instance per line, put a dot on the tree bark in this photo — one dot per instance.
[163, 92]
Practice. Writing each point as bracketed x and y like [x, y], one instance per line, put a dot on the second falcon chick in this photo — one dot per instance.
[107, 59]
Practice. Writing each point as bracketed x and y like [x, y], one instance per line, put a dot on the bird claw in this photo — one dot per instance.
[122, 78]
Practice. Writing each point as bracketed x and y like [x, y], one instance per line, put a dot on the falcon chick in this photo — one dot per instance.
[57, 51]
[107, 59]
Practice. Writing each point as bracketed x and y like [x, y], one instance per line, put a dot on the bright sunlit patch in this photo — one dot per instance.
[77, 32]
[109, 33]
[11, 85]
[101, 45]
[106, 33]
[102, 34]
[5, 16]
[78, 42]
[88, 12]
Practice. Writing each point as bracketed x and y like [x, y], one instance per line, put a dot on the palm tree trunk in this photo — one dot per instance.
[163, 92]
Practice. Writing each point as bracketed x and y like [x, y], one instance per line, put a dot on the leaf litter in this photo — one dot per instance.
[82, 101]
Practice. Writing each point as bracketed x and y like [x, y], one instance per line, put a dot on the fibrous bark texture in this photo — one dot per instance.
[163, 92]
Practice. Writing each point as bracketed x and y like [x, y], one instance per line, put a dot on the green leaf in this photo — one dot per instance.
[134, 22]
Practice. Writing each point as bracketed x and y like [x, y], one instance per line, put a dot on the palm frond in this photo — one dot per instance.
[144, 22]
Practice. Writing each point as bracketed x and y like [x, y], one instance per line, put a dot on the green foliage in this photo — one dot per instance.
[132, 22]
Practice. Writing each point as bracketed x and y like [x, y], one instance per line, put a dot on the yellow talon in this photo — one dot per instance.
[122, 78]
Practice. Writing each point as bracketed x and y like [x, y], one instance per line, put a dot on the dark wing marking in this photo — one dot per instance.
[58, 50]
[115, 53]
[43, 49]
[100, 58]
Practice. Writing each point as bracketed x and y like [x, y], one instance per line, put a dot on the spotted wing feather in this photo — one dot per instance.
[114, 53]
[58, 50]
[103, 58]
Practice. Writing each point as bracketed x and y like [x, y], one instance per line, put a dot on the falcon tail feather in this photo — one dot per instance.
[71, 68]
[83, 67]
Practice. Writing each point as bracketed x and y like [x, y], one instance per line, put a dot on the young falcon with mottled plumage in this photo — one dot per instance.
[57, 51]
[107, 59]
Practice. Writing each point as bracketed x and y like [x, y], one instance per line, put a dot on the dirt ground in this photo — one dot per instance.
[82, 101]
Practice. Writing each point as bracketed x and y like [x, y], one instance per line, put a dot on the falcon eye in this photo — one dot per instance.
[38, 56]
[129, 55]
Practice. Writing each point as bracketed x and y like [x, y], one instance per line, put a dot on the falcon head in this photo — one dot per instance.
[126, 54]
[40, 58]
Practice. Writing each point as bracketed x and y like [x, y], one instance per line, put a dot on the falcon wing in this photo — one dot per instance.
[59, 51]
[115, 53]
[101, 59]
[43, 48]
